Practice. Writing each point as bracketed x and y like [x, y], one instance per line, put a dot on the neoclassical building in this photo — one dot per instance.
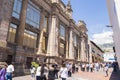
[42, 31]
[96, 54]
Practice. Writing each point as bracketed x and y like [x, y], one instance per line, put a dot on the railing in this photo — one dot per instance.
[28, 49]
[11, 45]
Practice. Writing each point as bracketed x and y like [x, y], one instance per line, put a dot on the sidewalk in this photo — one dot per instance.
[75, 76]
[83, 76]
[28, 77]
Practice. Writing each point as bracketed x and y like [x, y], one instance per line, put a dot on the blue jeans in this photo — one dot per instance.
[8, 76]
[63, 78]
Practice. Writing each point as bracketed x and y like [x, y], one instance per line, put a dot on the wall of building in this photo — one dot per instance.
[114, 15]
[96, 52]
[23, 40]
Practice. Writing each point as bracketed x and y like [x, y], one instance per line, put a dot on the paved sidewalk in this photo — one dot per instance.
[83, 76]
[28, 77]
[75, 76]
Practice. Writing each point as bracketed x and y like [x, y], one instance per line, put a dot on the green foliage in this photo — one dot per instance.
[34, 64]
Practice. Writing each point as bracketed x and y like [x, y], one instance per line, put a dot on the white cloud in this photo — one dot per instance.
[102, 38]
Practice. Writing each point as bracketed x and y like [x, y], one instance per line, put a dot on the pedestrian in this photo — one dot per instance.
[91, 67]
[97, 66]
[114, 67]
[32, 71]
[9, 71]
[76, 67]
[45, 72]
[3, 66]
[51, 74]
[73, 68]
[83, 67]
[87, 67]
[69, 66]
[106, 70]
[56, 70]
[38, 73]
[63, 72]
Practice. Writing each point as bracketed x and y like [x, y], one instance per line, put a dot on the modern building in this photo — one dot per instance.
[41, 31]
[109, 57]
[114, 15]
[95, 53]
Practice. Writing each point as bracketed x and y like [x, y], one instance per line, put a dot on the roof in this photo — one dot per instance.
[97, 46]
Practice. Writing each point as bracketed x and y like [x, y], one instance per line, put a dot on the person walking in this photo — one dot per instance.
[45, 72]
[76, 67]
[91, 67]
[9, 72]
[87, 67]
[3, 66]
[69, 66]
[106, 70]
[63, 72]
[97, 66]
[38, 73]
[56, 70]
[32, 71]
[114, 66]
[83, 67]
[51, 74]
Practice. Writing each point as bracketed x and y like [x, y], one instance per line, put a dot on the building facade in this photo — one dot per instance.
[114, 15]
[42, 31]
[95, 52]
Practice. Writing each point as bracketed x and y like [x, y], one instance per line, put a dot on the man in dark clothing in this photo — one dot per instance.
[56, 71]
[51, 74]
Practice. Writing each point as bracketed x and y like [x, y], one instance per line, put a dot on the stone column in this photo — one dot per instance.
[67, 43]
[6, 7]
[19, 54]
[41, 31]
[82, 50]
[52, 49]
[20, 34]
[71, 49]
[78, 51]
[90, 52]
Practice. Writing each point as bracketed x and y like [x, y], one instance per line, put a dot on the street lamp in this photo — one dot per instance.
[109, 26]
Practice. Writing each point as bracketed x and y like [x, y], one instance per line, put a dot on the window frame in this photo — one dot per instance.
[15, 12]
[31, 19]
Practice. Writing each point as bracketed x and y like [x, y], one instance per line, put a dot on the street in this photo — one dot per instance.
[83, 76]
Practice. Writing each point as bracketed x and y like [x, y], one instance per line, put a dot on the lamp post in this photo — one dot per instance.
[109, 26]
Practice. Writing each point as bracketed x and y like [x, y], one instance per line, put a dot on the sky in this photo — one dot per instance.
[94, 13]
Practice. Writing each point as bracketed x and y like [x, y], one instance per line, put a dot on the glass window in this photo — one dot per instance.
[30, 39]
[76, 53]
[62, 48]
[62, 31]
[12, 33]
[44, 43]
[17, 8]
[45, 22]
[33, 15]
[75, 40]
[93, 51]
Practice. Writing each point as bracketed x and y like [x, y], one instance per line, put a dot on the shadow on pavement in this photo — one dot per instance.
[115, 75]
